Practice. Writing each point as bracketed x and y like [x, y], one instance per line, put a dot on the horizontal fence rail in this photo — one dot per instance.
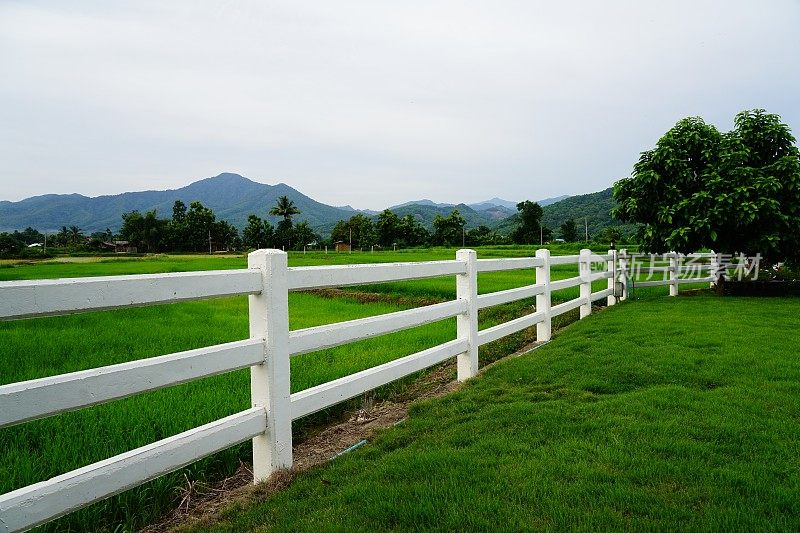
[565, 307]
[320, 337]
[344, 275]
[36, 504]
[497, 265]
[510, 295]
[680, 269]
[317, 398]
[38, 398]
[512, 326]
[565, 283]
[564, 260]
[23, 299]
[267, 281]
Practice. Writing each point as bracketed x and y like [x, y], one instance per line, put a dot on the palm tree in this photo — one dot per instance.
[62, 237]
[75, 235]
[284, 208]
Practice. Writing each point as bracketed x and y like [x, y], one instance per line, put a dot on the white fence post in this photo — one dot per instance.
[585, 269]
[612, 281]
[269, 381]
[623, 273]
[467, 323]
[674, 265]
[543, 328]
[714, 270]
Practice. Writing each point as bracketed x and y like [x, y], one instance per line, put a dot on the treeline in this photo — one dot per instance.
[192, 229]
[389, 230]
[195, 228]
[35, 244]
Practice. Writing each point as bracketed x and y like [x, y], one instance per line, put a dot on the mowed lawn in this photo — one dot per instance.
[663, 414]
[49, 346]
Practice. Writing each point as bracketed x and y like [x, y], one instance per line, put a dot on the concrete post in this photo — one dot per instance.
[467, 324]
[612, 267]
[543, 329]
[585, 269]
[623, 273]
[269, 381]
[674, 265]
[714, 270]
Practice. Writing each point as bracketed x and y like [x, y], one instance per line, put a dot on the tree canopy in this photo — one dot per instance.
[449, 230]
[530, 229]
[284, 208]
[359, 227]
[192, 229]
[733, 192]
[569, 230]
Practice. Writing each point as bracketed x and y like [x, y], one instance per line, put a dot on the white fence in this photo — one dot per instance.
[267, 281]
[673, 269]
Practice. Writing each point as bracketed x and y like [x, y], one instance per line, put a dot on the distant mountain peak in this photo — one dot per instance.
[228, 177]
[232, 197]
[553, 200]
[493, 203]
[424, 201]
[500, 201]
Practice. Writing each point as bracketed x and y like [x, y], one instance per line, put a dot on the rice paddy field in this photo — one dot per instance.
[48, 346]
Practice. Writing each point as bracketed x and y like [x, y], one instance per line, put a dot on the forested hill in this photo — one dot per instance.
[424, 213]
[595, 208]
[231, 196]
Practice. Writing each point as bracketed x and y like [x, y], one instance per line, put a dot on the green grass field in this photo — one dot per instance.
[668, 414]
[48, 346]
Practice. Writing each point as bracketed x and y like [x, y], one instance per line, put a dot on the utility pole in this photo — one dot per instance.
[586, 227]
[209, 242]
[463, 235]
[541, 234]
[350, 251]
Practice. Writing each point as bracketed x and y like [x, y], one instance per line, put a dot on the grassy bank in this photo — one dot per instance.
[664, 414]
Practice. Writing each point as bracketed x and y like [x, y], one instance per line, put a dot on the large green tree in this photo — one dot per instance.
[530, 229]
[411, 232]
[10, 246]
[449, 230]
[147, 232]
[284, 208]
[388, 227]
[569, 230]
[179, 228]
[734, 192]
[258, 233]
[29, 235]
[361, 229]
[200, 222]
[304, 235]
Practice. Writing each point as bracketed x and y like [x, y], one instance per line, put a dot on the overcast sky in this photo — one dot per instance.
[374, 103]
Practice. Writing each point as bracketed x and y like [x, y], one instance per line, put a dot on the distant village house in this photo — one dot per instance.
[119, 247]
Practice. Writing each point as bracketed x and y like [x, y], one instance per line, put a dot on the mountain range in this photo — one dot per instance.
[233, 198]
[591, 212]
